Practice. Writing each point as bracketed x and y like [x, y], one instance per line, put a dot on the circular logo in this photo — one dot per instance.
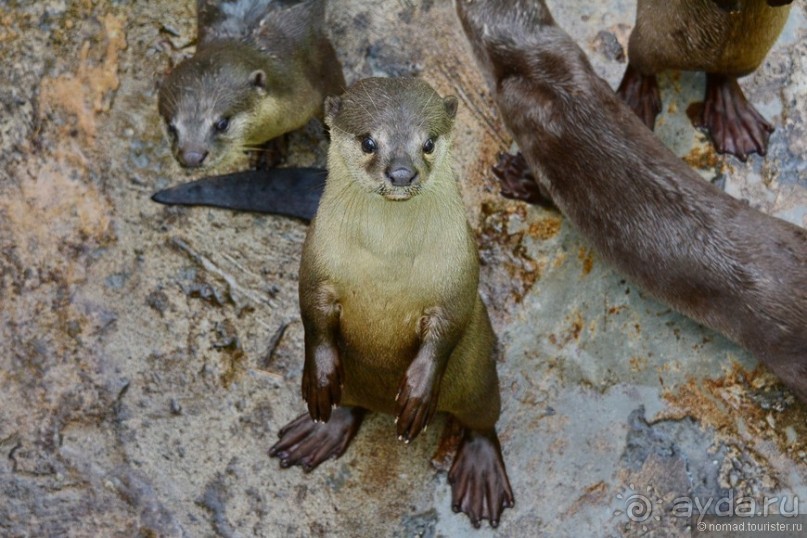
[638, 508]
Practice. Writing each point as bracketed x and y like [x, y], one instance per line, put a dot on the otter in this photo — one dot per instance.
[262, 68]
[726, 39]
[389, 274]
[710, 256]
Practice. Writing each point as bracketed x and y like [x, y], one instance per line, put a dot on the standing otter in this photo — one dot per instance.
[725, 38]
[262, 68]
[388, 293]
[706, 254]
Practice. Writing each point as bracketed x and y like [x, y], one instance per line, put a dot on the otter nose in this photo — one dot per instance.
[192, 158]
[400, 173]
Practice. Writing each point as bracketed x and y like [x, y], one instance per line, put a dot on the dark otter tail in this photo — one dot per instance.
[292, 192]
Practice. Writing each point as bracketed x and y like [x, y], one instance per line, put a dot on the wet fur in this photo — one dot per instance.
[708, 255]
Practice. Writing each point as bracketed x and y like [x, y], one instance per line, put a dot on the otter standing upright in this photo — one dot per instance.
[262, 68]
[726, 39]
[388, 293]
[706, 254]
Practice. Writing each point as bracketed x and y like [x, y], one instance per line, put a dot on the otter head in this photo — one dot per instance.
[391, 133]
[207, 102]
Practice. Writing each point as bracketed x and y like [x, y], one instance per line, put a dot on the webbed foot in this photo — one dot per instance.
[479, 484]
[640, 92]
[518, 182]
[734, 124]
[307, 443]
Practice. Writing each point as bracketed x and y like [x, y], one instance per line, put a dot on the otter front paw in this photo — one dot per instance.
[322, 382]
[518, 182]
[416, 400]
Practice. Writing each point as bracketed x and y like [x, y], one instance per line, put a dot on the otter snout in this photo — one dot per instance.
[192, 158]
[401, 172]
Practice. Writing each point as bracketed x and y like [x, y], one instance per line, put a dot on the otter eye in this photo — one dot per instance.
[428, 146]
[172, 131]
[368, 145]
[222, 125]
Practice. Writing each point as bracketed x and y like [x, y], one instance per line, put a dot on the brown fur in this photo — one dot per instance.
[262, 65]
[699, 35]
[710, 256]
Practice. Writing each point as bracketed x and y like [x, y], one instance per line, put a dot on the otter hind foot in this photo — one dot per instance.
[640, 92]
[307, 443]
[479, 484]
[734, 124]
[517, 180]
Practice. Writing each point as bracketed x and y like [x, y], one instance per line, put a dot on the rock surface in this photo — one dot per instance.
[151, 354]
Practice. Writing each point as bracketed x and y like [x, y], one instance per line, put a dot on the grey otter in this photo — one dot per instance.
[262, 68]
[726, 39]
[706, 254]
[388, 293]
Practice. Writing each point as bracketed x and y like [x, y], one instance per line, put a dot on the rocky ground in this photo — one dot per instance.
[151, 354]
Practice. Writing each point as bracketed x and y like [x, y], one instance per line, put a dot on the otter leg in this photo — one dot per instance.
[517, 180]
[307, 443]
[322, 370]
[735, 125]
[271, 154]
[479, 484]
[641, 93]
[416, 401]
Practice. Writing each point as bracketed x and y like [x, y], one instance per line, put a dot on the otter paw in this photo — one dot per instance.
[641, 94]
[322, 382]
[416, 402]
[517, 180]
[307, 443]
[479, 484]
[735, 125]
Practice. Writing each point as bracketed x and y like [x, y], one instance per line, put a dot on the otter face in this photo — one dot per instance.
[392, 133]
[205, 104]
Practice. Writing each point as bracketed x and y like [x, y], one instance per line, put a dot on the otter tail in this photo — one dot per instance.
[292, 192]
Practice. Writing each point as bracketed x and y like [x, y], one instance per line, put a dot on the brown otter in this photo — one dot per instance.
[262, 68]
[725, 38]
[708, 255]
[388, 293]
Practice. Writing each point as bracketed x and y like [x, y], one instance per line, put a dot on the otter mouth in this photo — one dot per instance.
[398, 194]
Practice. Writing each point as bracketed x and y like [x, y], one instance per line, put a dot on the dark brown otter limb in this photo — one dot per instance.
[449, 443]
[518, 182]
[418, 393]
[322, 371]
[479, 484]
[307, 443]
[270, 154]
[734, 124]
[640, 92]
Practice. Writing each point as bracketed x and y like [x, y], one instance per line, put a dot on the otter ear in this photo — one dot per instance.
[333, 105]
[450, 103]
[258, 79]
